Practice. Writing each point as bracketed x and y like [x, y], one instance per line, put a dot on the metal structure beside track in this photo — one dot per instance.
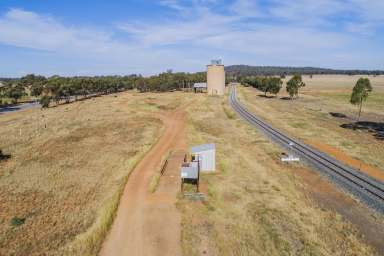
[366, 188]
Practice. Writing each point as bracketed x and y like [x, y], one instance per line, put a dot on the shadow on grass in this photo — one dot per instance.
[376, 128]
[338, 115]
[4, 156]
[266, 96]
[287, 98]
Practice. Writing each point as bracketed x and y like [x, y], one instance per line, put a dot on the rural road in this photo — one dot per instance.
[18, 107]
[149, 223]
[368, 189]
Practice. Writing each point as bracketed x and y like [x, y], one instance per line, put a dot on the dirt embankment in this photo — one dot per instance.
[146, 223]
[344, 158]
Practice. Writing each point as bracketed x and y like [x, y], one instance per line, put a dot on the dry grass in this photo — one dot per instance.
[66, 179]
[309, 118]
[255, 205]
[228, 112]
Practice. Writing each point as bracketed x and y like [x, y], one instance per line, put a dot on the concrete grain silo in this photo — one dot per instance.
[216, 78]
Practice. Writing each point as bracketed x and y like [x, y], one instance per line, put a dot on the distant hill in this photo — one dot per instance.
[4, 80]
[245, 70]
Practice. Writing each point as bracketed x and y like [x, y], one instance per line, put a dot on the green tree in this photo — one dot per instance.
[274, 85]
[53, 88]
[264, 85]
[37, 89]
[45, 101]
[15, 92]
[3, 92]
[360, 93]
[294, 84]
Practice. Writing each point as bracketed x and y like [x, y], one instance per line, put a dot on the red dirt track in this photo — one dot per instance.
[149, 223]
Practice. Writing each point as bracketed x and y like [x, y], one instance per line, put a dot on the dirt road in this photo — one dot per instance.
[146, 223]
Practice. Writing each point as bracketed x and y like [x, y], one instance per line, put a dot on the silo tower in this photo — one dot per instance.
[216, 78]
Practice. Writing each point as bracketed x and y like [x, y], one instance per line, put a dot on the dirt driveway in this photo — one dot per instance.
[146, 223]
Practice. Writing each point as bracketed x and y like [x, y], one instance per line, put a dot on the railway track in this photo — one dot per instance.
[366, 188]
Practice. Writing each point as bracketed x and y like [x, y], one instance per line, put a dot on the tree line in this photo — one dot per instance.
[265, 84]
[245, 70]
[274, 84]
[56, 89]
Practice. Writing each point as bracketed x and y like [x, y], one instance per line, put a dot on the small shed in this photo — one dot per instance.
[200, 87]
[190, 173]
[206, 153]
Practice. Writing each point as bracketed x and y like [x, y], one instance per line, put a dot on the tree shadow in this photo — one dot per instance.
[375, 128]
[287, 98]
[4, 156]
[338, 115]
[266, 96]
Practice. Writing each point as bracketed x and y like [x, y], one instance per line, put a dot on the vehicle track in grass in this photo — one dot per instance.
[149, 223]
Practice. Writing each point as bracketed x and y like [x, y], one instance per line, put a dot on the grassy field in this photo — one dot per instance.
[254, 204]
[337, 89]
[310, 118]
[60, 189]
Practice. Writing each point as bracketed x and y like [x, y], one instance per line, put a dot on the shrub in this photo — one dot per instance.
[16, 221]
[45, 101]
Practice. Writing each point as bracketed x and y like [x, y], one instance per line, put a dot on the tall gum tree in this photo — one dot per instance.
[360, 94]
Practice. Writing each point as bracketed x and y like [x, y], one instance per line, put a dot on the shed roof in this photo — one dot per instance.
[200, 85]
[203, 147]
[191, 172]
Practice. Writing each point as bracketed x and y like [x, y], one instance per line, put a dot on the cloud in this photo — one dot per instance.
[370, 10]
[234, 32]
[247, 8]
[173, 4]
[204, 24]
[306, 10]
[283, 32]
[27, 29]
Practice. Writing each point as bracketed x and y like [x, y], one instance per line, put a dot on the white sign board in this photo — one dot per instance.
[290, 159]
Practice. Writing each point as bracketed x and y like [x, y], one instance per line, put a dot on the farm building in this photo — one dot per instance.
[200, 87]
[207, 154]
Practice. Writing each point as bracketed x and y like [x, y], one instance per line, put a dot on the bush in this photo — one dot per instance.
[45, 101]
[16, 221]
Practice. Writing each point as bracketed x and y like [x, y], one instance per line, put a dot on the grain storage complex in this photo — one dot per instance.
[216, 78]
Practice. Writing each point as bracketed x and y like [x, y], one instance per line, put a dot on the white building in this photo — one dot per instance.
[200, 87]
[207, 155]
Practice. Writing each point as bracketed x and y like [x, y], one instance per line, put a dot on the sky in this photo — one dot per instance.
[116, 37]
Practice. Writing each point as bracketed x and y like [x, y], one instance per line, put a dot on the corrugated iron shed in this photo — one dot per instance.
[201, 148]
[200, 85]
